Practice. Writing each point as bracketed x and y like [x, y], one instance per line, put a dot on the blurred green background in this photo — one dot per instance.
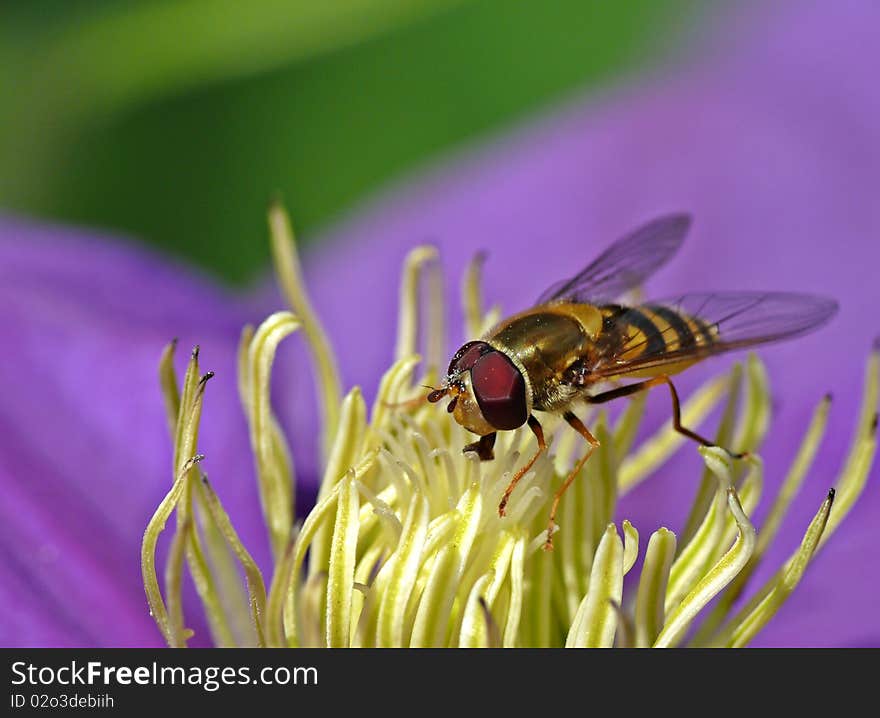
[175, 120]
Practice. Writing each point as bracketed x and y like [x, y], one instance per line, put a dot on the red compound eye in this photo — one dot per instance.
[500, 390]
[467, 356]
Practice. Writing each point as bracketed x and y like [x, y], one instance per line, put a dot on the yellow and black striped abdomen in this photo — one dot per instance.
[653, 330]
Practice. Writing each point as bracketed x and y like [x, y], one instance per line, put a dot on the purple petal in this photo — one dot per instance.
[774, 146]
[84, 455]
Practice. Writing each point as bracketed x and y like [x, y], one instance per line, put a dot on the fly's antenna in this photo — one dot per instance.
[436, 394]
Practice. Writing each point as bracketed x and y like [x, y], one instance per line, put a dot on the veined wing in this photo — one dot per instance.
[660, 334]
[625, 264]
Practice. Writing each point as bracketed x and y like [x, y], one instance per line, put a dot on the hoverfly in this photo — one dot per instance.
[577, 337]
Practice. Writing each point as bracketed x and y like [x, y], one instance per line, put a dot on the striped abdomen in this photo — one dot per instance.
[653, 330]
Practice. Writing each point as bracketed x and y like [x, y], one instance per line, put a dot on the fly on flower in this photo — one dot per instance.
[578, 337]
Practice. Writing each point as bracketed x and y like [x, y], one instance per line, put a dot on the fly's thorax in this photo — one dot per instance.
[544, 343]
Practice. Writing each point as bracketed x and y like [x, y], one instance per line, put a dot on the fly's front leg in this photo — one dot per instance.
[483, 447]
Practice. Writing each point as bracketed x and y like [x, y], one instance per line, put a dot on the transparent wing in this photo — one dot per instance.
[625, 264]
[709, 324]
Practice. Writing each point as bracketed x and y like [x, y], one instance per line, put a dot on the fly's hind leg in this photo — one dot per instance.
[579, 427]
[631, 389]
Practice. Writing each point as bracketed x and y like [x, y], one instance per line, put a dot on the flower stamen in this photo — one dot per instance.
[405, 547]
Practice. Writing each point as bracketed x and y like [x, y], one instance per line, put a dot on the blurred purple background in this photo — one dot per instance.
[767, 130]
